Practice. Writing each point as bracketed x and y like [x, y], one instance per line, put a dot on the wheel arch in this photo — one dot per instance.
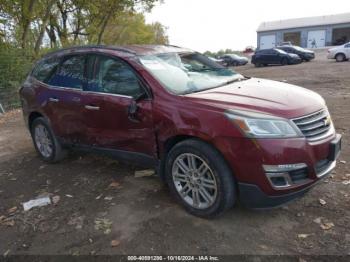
[340, 53]
[174, 140]
[32, 116]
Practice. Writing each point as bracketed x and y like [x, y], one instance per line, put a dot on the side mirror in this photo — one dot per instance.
[132, 111]
[133, 107]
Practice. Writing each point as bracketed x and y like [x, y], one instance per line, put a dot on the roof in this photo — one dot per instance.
[155, 49]
[127, 50]
[304, 22]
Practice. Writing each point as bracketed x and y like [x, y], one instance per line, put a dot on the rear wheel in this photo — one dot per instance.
[45, 142]
[340, 57]
[200, 179]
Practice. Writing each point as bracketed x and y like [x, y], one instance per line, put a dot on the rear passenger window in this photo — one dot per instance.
[70, 73]
[44, 70]
[115, 77]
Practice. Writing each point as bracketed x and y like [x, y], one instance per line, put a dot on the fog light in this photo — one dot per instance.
[279, 180]
[278, 175]
[283, 168]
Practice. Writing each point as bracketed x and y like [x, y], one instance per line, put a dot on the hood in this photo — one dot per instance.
[264, 96]
[337, 48]
[293, 55]
[242, 57]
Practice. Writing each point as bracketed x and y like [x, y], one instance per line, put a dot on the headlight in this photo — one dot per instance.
[263, 126]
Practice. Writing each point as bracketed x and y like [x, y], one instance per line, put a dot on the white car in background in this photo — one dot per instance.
[340, 53]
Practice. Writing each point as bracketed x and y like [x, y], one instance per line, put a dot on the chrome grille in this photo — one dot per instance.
[314, 126]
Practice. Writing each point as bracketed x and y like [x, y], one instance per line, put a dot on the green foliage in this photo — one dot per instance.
[29, 28]
[14, 66]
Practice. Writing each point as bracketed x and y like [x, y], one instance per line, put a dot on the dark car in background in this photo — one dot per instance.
[218, 61]
[305, 55]
[234, 60]
[274, 56]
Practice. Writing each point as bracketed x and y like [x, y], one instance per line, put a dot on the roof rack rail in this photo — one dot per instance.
[109, 47]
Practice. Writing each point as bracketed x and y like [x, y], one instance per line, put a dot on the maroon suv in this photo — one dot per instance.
[214, 135]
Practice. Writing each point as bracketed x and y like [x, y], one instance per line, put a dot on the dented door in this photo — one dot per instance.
[112, 88]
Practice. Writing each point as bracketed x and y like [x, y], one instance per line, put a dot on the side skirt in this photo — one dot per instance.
[138, 159]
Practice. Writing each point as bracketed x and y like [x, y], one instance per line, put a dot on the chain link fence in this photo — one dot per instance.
[15, 64]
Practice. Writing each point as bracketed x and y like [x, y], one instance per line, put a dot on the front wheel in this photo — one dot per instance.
[200, 179]
[45, 142]
[340, 57]
[284, 62]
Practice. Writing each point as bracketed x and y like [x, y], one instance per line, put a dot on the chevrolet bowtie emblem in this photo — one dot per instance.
[327, 121]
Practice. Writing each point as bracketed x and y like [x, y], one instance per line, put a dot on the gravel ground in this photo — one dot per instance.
[102, 208]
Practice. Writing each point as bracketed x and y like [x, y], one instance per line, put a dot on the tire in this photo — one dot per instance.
[284, 61]
[39, 127]
[257, 64]
[340, 57]
[214, 177]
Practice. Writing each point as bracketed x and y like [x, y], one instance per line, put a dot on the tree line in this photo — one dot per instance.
[30, 28]
[36, 24]
[221, 52]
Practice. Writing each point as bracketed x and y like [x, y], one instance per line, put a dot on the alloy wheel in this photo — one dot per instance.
[43, 140]
[194, 181]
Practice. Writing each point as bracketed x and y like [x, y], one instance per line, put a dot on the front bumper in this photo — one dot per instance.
[252, 196]
[248, 159]
[309, 56]
[296, 60]
[330, 56]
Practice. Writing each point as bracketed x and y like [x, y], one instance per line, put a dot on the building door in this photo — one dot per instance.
[267, 41]
[293, 37]
[316, 39]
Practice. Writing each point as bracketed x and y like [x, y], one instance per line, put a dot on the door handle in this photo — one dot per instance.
[93, 108]
[76, 99]
[54, 100]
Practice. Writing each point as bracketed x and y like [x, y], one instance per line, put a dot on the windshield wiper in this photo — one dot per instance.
[232, 81]
[221, 85]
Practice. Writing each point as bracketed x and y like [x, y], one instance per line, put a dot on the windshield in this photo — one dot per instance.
[299, 48]
[187, 73]
[280, 51]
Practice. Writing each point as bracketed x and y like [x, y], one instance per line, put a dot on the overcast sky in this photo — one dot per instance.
[218, 24]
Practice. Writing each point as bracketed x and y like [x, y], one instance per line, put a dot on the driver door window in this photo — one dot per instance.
[115, 77]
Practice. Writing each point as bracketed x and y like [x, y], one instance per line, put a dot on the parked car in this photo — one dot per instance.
[214, 135]
[304, 54]
[339, 53]
[288, 43]
[274, 56]
[219, 61]
[234, 60]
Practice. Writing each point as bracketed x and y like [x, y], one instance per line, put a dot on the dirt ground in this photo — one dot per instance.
[100, 200]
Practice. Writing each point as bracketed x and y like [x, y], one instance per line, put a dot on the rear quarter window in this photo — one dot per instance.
[70, 73]
[45, 69]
